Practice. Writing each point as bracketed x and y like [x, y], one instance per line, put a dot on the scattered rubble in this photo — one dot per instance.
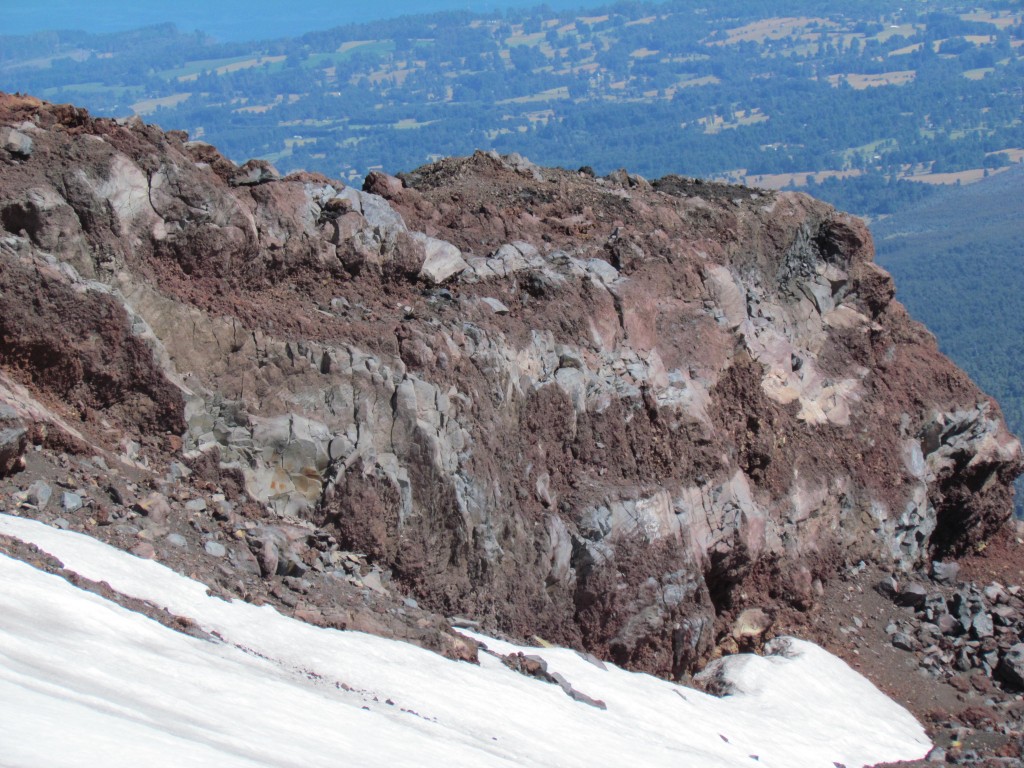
[649, 421]
[960, 627]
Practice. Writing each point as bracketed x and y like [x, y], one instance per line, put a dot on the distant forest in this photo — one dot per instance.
[855, 97]
[966, 283]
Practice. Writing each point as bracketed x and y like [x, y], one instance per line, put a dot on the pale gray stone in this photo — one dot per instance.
[494, 305]
[443, 260]
[945, 572]
[39, 494]
[215, 549]
[17, 143]
[70, 502]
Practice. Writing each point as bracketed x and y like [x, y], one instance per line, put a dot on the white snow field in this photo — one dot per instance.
[85, 682]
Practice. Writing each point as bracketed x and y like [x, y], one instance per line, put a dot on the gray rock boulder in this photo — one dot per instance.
[945, 572]
[13, 440]
[215, 549]
[39, 494]
[1011, 667]
[16, 143]
[442, 260]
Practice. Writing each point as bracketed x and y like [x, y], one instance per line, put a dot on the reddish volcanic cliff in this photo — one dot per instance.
[606, 412]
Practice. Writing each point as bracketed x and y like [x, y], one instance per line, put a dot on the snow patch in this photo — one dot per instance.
[84, 681]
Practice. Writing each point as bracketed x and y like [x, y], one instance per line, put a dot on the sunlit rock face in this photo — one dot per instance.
[583, 409]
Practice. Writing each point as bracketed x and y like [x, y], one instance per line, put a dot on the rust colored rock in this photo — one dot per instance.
[144, 550]
[606, 412]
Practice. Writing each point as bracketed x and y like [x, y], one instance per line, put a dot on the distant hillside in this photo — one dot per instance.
[844, 95]
[957, 258]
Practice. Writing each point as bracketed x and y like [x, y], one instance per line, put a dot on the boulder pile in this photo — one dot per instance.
[959, 627]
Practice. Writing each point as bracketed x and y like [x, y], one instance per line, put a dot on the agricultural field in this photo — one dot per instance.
[841, 94]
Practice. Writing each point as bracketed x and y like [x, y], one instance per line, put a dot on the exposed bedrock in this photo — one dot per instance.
[585, 409]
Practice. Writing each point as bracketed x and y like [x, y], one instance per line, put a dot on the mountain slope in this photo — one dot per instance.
[607, 413]
[957, 262]
[262, 689]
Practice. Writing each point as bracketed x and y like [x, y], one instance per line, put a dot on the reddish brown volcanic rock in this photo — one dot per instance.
[606, 412]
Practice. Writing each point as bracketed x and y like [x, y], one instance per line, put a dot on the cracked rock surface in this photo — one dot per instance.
[603, 412]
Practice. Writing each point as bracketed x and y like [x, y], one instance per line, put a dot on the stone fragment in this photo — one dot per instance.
[255, 172]
[244, 560]
[994, 593]
[17, 143]
[268, 557]
[373, 581]
[385, 185]
[945, 572]
[969, 607]
[961, 683]
[888, 587]
[494, 305]
[929, 633]
[981, 625]
[904, 641]
[70, 502]
[1011, 667]
[543, 490]
[935, 606]
[310, 616]
[144, 550]
[912, 595]
[13, 440]
[179, 471]
[215, 549]
[295, 584]
[118, 494]
[177, 540]
[948, 624]
[156, 507]
[285, 597]
[576, 695]
[1005, 615]
[39, 494]
[592, 659]
[751, 625]
[443, 260]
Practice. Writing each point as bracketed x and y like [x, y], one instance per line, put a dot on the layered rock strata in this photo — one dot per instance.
[601, 411]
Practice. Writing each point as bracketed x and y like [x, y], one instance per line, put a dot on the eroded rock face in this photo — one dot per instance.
[600, 411]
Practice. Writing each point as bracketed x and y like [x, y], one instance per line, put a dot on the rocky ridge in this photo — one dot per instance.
[608, 413]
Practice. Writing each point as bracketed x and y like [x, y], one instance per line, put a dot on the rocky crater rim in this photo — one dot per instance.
[611, 413]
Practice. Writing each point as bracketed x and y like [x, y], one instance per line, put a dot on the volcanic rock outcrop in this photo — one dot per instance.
[609, 413]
